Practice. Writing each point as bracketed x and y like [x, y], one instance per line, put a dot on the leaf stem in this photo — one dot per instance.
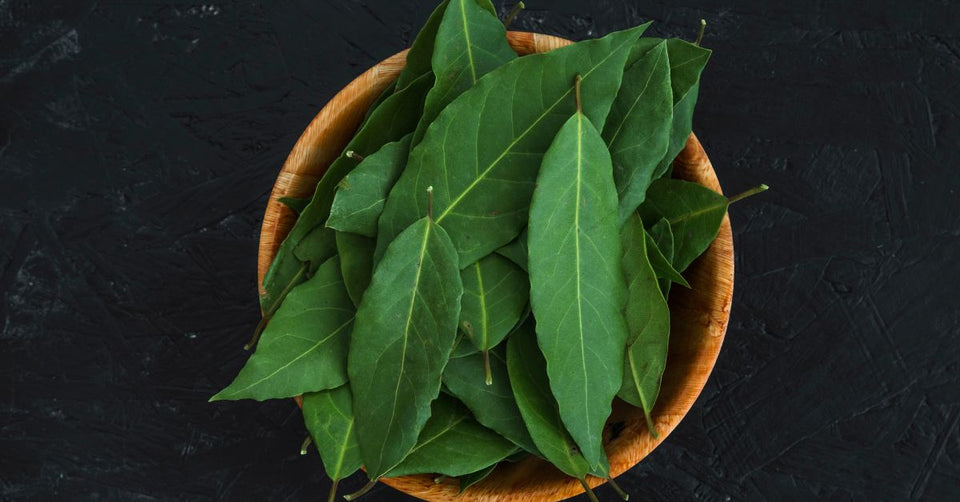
[361, 492]
[354, 156]
[307, 441]
[576, 85]
[753, 191]
[613, 484]
[430, 202]
[703, 28]
[486, 366]
[272, 309]
[333, 491]
[513, 13]
[590, 495]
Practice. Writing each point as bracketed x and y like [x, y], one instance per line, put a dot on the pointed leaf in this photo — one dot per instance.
[495, 292]
[531, 388]
[686, 64]
[648, 318]
[421, 51]
[304, 347]
[694, 212]
[662, 265]
[328, 416]
[406, 327]
[453, 444]
[493, 405]
[296, 205]
[516, 250]
[492, 138]
[577, 290]
[356, 263]
[638, 127]
[471, 41]
[468, 480]
[359, 199]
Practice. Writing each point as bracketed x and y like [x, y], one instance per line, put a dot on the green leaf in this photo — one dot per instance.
[648, 319]
[356, 263]
[453, 444]
[389, 91]
[516, 250]
[686, 64]
[468, 480]
[421, 51]
[316, 248]
[483, 152]
[328, 416]
[577, 289]
[493, 405]
[396, 117]
[638, 127]
[471, 41]
[659, 235]
[406, 327]
[304, 348]
[531, 388]
[296, 205]
[694, 212]
[495, 292]
[359, 199]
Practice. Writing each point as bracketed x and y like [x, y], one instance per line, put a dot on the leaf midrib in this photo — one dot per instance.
[576, 229]
[466, 37]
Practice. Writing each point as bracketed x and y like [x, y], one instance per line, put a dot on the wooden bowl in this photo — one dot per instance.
[698, 315]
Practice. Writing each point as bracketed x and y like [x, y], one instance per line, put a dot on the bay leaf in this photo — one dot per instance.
[304, 347]
[328, 416]
[453, 443]
[468, 480]
[531, 388]
[295, 204]
[637, 131]
[516, 250]
[471, 41]
[405, 330]
[495, 292]
[577, 289]
[483, 152]
[493, 405]
[694, 212]
[421, 50]
[359, 199]
[659, 242]
[648, 319]
[687, 62]
[316, 248]
[356, 263]
[396, 117]
[389, 91]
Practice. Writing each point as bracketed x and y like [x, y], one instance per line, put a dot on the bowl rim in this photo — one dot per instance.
[707, 311]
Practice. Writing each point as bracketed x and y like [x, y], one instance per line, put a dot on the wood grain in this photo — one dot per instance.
[699, 315]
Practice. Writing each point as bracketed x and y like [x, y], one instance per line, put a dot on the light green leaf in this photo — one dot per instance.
[328, 416]
[483, 152]
[638, 127]
[694, 212]
[531, 388]
[686, 64]
[471, 41]
[359, 199]
[304, 348]
[405, 330]
[356, 263]
[493, 405]
[648, 319]
[577, 289]
[453, 444]
[495, 292]
[516, 250]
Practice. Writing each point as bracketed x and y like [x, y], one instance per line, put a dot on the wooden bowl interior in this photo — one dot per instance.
[698, 315]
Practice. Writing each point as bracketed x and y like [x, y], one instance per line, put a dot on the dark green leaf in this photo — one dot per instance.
[516, 250]
[648, 319]
[304, 347]
[495, 292]
[637, 130]
[296, 205]
[359, 200]
[421, 51]
[453, 443]
[328, 416]
[493, 405]
[389, 91]
[694, 212]
[406, 327]
[577, 290]
[531, 388]
[468, 480]
[686, 64]
[483, 152]
[316, 248]
[659, 235]
[356, 263]
[471, 41]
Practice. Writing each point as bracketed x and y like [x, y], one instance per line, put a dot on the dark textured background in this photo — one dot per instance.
[139, 140]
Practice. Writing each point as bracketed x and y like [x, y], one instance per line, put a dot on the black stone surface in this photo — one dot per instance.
[139, 140]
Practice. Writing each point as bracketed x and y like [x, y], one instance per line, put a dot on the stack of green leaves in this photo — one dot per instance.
[485, 268]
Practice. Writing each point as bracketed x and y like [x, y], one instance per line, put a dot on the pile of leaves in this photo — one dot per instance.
[486, 266]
